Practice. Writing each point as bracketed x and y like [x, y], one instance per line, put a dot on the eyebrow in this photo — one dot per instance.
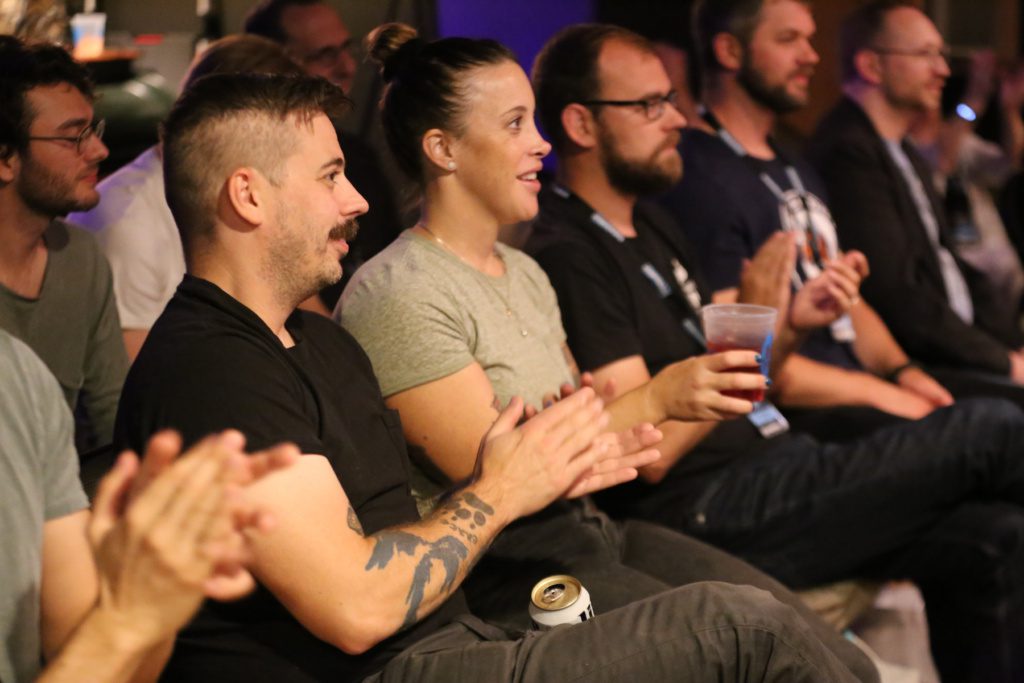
[521, 109]
[74, 124]
[337, 162]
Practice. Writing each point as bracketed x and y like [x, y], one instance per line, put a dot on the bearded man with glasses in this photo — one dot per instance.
[939, 308]
[56, 292]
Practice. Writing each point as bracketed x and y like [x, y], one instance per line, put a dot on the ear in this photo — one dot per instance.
[868, 64]
[728, 51]
[10, 162]
[245, 193]
[437, 149]
[579, 125]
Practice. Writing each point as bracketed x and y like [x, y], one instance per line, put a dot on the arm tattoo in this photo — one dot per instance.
[465, 509]
[353, 522]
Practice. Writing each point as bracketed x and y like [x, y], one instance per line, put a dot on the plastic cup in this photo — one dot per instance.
[87, 34]
[741, 326]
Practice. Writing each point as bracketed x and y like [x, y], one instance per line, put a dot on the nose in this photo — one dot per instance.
[673, 118]
[811, 55]
[542, 149]
[942, 66]
[350, 202]
[96, 151]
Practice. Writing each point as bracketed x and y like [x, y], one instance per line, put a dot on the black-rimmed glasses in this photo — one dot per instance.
[653, 107]
[93, 129]
[932, 54]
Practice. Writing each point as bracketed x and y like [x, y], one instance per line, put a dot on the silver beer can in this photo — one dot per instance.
[558, 600]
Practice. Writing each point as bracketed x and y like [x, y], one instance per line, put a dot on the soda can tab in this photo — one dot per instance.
[558, 600]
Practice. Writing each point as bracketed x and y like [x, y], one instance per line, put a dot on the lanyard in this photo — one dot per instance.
[791, 174]
[646, 268]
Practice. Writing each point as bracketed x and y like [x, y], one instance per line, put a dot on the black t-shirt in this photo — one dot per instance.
[613, 308]
[728, 206]
[209, 363]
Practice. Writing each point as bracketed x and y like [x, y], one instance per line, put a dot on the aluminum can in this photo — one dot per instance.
[557, 600]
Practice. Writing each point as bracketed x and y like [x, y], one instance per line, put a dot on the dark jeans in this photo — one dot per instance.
[619, 564]
[939, 501]
[706, 632]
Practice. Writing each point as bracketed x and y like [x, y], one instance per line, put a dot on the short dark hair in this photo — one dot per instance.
[224, 121]
[736, 17]
[242, 53]
[265, 18]
[25, 66]
[424, 85]
[861, 30]
[566, 71]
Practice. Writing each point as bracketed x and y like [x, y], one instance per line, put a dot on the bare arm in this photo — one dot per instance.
[69, 584]
[133, 341]
[353, 590]
[630, 374]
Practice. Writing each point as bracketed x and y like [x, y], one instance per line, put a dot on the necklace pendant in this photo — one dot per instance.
[508, 312]
[523, 332]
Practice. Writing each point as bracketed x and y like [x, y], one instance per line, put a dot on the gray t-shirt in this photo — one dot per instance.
[38, 483]
[423, 314]
[73, 327]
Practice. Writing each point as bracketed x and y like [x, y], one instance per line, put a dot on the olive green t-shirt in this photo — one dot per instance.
[73, 327]
[422, 314]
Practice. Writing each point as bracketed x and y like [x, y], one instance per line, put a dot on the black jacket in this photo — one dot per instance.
[875, 213]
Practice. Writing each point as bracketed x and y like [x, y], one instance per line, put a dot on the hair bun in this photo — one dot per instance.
[393, 46]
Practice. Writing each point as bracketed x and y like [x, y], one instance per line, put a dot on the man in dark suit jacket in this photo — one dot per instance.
[894, 68]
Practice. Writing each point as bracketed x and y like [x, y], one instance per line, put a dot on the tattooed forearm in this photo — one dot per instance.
[462, 511]
[353, 521]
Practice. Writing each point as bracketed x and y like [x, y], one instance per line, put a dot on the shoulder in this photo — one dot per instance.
[844, 130]
[25, 375]
[76, 253]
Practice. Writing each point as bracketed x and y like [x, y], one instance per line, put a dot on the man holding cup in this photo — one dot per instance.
[894, 504]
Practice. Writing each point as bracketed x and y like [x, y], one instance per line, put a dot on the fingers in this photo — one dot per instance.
[858, 261]
[507, 418]
[161, 450]
[111, 495]
[728, 360]
[258, 465]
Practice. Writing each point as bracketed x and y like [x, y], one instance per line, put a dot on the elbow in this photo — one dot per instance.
[356, 631]
[653, 474]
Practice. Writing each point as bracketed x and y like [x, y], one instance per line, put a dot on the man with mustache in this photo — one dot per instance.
[55, 285]
[881, 194]
[895, 503]
[741, 188]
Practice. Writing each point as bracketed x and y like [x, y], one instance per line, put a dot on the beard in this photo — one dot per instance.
[775, 98]
[640, 178]
[49, 193]
[298, 268]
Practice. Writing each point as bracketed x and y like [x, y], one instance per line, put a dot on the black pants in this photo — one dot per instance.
[702, 633]
[969, 384]
[939, 501]
[619, 564]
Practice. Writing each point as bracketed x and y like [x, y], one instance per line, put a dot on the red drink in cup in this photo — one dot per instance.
[740, 326]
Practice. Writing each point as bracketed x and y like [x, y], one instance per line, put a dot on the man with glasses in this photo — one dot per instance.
[939, 500]
[884, 203]
[56, 293]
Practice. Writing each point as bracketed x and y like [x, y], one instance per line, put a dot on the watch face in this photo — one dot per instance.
[965, 112]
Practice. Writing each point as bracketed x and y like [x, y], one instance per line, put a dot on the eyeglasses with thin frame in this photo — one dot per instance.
[329, 55]
[93, 129]
[932, 54]
[653, 107]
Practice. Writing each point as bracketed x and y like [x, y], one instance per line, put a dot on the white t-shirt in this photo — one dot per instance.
[136, 231]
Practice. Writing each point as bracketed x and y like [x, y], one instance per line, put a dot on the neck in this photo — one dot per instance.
[746, 119]
[891, 122]
[584, 175]
[23, 254]
[241, 277]
[461, 223]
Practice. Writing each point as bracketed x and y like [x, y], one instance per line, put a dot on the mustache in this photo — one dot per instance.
[345, 231]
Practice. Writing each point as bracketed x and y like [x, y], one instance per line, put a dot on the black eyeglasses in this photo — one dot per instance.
[932, 54]
[653, 107]
[87, 133]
